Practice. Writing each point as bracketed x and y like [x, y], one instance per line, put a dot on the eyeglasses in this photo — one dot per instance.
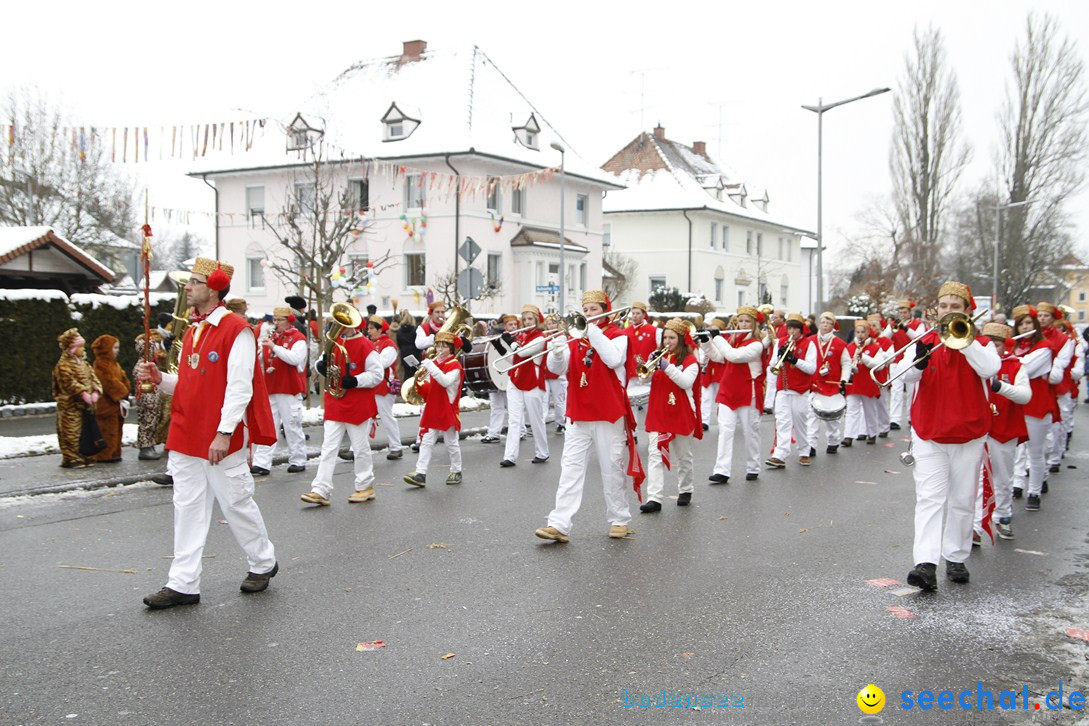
[197, 282]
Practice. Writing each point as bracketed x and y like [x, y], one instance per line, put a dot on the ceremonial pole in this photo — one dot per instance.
[145, 259]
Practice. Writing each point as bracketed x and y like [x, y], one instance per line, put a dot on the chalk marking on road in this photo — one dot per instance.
[401, 553]
[866, 482]
[1078, 633]
[1030, 552]
[898, 612]
[902, 591]
[883, 582]
[126, 571]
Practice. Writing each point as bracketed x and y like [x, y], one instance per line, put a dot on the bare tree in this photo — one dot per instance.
[61, 177]
[1042, 158]
[447, 287]
[172, 251]
[926, 160]
[623, 270]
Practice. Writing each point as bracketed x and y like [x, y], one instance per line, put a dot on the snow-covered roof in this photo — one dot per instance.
[17, 241]
[463, 102]
[12, 238]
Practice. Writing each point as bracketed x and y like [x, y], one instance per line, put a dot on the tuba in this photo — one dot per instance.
[344, 316]
[460, 324]
[181, 320]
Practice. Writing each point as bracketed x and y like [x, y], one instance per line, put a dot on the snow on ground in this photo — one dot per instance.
[16, 446]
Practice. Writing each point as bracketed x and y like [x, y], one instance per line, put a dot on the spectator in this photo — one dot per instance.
[152, 407]
[113, 404]
[75, 389]
[406, 343]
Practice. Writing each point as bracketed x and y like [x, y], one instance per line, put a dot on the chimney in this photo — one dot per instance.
[700, 148]
[659, 132]
[412, 50]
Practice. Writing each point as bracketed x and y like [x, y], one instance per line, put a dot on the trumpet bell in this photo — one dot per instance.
[346, 315]
[956, 330]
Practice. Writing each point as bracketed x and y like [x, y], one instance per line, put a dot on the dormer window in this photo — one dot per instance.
[528, 133]
[303, 134]
[398, 124]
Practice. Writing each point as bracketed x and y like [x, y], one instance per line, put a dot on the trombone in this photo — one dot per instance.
[572, 324]
[956, 330]
[704, 336]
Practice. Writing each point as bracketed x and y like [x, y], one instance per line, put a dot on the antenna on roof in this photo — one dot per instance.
[643, 91]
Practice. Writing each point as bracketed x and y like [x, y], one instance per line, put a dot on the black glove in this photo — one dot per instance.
[922, 355]
[843, 388]
[714, 332]
[348, 382]
[497, 343]
[996, 385]
[791, 358]
[466, 345]
[320, 367]
[507, 338]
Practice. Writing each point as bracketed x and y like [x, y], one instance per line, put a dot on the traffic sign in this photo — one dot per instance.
[470, 283]
[548, 288]
[469, 250]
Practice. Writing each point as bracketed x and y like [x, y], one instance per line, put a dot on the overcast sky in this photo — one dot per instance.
[733, 74]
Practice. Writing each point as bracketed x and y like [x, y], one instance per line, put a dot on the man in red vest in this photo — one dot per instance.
[601, 420]
[833, 372]
[219, 406]
[950, 419]
[525, 392]
[282, 356]
[385, 393]
[1062, 384]
[792, 385]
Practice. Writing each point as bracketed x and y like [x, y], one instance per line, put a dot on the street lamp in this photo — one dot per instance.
[819, 109]
[563, 266]
[997, 233]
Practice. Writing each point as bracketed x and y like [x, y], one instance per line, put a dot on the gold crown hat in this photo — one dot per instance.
[751, 312]
[951, 287]
[529, 308]
[1046, 307]
[639, 305]
[445, 336]
[906, 304]
[379, 321]
[206, 266]
[599, 297]
[997, 330]
[283, 312]
[1022, 310]
[796, 317]
[678, 326]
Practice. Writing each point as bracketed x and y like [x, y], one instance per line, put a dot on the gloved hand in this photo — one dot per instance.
[507, 338]
[466, 345]
[558, 344]
[843, 388]
[791, 358]
[320, 367]
[922, 355]
[663, 363]
[348, 382]
[497, 343]
[996, 385]
[714, 332]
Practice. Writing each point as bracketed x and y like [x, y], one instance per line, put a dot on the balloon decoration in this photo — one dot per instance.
[361, 280]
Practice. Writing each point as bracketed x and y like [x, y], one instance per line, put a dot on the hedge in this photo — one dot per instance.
[31, 320]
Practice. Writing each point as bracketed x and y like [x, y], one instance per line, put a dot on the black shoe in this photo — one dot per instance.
[1054, 468]
[505, 463]
[812, 451]
[832, 448]
[560, 428]
[259, 471]
[539, 460]
[416, 480]
[860, 438]
[453, 477]
[924, 576]
[167, 598]
[751, 477]
[489, 440]
[957, 572]
[148, 453]
[395, 454]
[650, 506]
[1032, 503]
[164, 480]
[259, 582]
[684, 499]
[706, 427]
[347, 455]
[894, 426]
[872, 441]
[1017, 491]
[295, 468]
[415, 448]
[1043, 487]
[883, 435]
[719, 479]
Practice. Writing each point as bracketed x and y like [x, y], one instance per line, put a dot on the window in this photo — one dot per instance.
[1081, 296]
[517, 201]
[582, 276]
[495, 267]
[657, 282]
[582, 209]
[718, 289]
[531, 140]
[780, 256]
[495, 200]
[784, 293]
[748, 241]
[304, 197]
[359, 191]
[255, 274]
[761, 292]
[606, 235]
[725, 237]
[255, 202]
[398, 125]
[396, 129]
[740, 298]
[1081, 316]
[414, 192]
[714, 233]
[759, 244]
[415, 269]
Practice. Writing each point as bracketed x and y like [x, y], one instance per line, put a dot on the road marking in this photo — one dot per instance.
[883, 582]
[1030, 552]
[899, 612]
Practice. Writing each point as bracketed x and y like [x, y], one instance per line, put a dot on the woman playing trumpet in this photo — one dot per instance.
[673, 414]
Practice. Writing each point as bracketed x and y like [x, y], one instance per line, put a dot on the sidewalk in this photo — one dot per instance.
[43, 475]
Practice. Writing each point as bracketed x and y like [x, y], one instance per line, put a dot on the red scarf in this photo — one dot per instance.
[198, 317]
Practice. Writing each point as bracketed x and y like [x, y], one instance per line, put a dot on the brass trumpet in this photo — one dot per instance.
[956, 330]
[646, 368]
[778, 367]
[460, 324]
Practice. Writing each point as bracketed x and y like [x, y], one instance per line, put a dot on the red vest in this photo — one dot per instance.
[831, 353]
[284, 378]
[383, 388]
[790, 378]
[950, 405]
[737, 387]
[668, 409]
[900, 339]
[712, 374]
[200, 392]
[862, 383]
[594, 393]
[358, 404]
[528, 377]
[1009, 422]
[439, 413]
[883, 344]
[1043, 399]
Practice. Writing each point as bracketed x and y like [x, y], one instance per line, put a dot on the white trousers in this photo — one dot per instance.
[427, 446]
[833, 430]
[359, 436]
[1002, 456]
[286, 412]
[902, 392]
[792, 421]
[769, 393]
[729, 420]
[708, 404]
[1034, 455]
[861, 416]
[680, 461]
[946, 479]
[498, 401]
[388, 423]
[882, 408]
[607, 440]
[522, 405]
[197, 484]
[556, 389]
[1056, 442]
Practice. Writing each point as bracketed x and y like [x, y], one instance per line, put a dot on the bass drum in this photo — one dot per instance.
[829, 408]
[480, 376]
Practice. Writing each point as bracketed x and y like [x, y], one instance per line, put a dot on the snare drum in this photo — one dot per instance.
[480, 376]
[829, 408]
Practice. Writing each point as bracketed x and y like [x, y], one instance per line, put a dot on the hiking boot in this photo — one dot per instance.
[957, 572]
[454, 477]
[255, 582]
[551, 533]
[416, 479]
[315, 498]
[167, 598]
[362, 495]
[924, 576]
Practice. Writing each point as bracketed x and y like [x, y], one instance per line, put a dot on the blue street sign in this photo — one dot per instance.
[548, 288]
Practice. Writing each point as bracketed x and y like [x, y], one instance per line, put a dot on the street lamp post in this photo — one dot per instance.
[819, 109]
[997, 234]
[563, 264]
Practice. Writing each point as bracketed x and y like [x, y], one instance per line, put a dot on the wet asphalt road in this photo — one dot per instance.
[756, 594]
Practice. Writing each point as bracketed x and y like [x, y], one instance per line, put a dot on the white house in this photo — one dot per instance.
[436, 147]
[688, 224]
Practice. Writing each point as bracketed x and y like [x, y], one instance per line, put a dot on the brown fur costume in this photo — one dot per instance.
[72, 377]
[115, 388]
[153, 407]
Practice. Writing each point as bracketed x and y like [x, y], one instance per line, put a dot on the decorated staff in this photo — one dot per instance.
[673, 414]
[1035, 353]
[795, 363]
[525, 394]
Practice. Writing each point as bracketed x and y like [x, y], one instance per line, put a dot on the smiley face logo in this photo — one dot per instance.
[871, 699]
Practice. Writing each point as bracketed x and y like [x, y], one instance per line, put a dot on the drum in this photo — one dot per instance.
[480, 376]
[829, 408]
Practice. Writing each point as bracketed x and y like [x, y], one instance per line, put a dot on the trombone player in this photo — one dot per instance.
[951, 418]
[794, 363]
[526, 390]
